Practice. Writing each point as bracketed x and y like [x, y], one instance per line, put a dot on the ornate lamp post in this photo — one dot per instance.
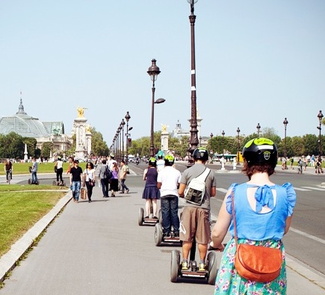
[258, 127]
[223, 151]
[285, 123]
[122, 137]
[127, 118]
[320, 118]
[211, 151]
[153, 72]
[238, 144]
[193, 131]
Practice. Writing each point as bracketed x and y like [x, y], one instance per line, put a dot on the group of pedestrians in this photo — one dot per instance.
[108, 176]
[257, 212]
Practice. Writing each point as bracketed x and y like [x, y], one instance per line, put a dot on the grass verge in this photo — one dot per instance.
[21, 207]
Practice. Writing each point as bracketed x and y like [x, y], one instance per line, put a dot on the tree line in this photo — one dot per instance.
[12, 145]
[289, 146]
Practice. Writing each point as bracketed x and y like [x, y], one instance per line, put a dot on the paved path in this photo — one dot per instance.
[98, 248]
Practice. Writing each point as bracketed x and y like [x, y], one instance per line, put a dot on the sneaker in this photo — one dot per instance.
[155, 217]
[127, 191]
[202, 266]
[176, 234]
[185, 265]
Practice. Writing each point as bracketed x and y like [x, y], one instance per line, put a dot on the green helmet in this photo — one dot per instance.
[260, 151]
[152, 161]
[200, 153]
[169, 160]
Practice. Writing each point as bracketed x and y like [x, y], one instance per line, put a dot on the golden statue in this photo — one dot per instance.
[81, 112]
[164, 127]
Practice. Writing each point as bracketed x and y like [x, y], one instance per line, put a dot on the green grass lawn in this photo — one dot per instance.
[21, 207]
[23, 168]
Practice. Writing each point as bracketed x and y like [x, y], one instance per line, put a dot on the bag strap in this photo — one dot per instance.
[234, 216]
[204, 175]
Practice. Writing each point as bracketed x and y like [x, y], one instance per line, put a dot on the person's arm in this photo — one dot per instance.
[213, 191]
[159, 185]
[181, 189]
[220, 229]
[288, 224]
[145, 174]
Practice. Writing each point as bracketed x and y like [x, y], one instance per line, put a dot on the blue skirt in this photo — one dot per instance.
[151, 192]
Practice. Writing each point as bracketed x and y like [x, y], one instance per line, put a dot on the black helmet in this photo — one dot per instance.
[169, 160]
[260, 151]
[200, 154]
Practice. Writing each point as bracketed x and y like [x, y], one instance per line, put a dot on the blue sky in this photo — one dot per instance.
[257, 62]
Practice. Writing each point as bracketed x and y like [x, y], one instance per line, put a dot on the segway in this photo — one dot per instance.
[58, 183]
[146, 221]
[208, 275]
[160, 239]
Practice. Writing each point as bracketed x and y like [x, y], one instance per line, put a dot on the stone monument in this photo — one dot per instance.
[164, 138]
[80, 132]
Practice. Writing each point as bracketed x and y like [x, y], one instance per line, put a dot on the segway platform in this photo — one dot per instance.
[160, 239]
[146, 221]
[208, 275]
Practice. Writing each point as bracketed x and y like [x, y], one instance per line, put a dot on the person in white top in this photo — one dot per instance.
[168, 183]
[59, 170]
[89, 179]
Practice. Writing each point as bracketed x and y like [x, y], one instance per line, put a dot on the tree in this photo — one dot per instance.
[98, 145]
[46, 149]
[11, 146]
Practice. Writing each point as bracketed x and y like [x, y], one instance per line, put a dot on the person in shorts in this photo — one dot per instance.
[195, 219]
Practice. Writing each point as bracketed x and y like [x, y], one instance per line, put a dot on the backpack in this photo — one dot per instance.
[107, 173]
[195, 190]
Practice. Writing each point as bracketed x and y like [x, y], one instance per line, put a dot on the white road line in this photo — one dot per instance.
[223, 190]
[301, 189]
[314, 188]
[307, 235]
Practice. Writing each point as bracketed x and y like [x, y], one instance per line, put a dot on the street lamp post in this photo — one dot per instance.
[211, 151]
[153, 72]
[193, 131]
[223, 150]
[122, 137]
[238, 144]
[258, 127]
[285, 123]
[127, 118]
[320, 118]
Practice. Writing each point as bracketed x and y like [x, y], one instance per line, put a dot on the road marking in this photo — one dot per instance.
[297, 231]
[223, 190]
[301, 189]
[314, 188]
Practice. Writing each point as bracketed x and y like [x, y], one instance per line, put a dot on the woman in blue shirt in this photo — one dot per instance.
[263, 215]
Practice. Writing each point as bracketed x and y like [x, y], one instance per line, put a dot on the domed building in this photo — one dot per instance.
[28, 126]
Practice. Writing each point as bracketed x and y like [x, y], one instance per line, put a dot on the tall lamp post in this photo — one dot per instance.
[258, 127]
[127, 118]
[122, 137]
[223, 151]
[285, 123]
[211, 151]
[238, 144]
[320, 118]
[193, 131]
[153, 72]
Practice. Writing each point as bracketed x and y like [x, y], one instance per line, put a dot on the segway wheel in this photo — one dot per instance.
[140, 216]
[29, 181]
[212, 267]
[158, 234]
[175, 265]
[160, 216]
[54, 182]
